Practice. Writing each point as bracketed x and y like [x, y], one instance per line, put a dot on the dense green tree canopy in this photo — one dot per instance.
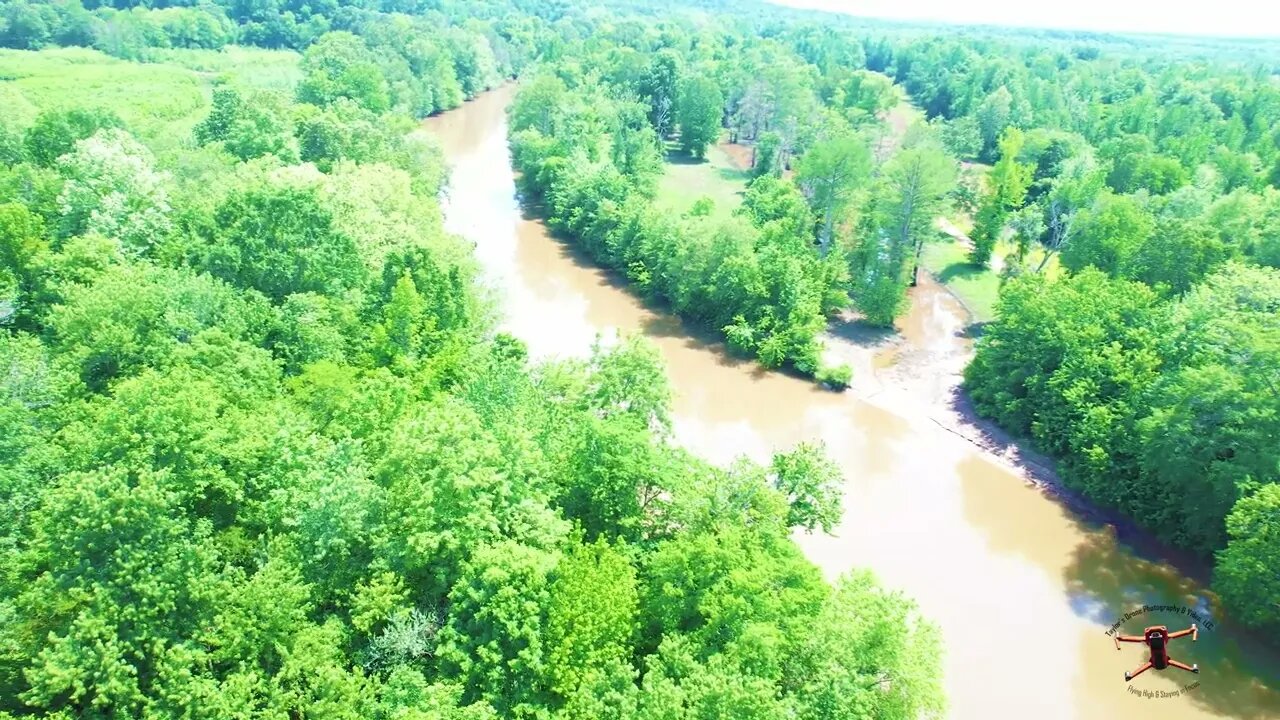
[262, 451]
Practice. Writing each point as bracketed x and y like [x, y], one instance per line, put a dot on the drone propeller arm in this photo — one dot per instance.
[1193, 631]
[1129, 638]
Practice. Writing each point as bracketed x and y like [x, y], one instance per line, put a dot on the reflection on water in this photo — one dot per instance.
[1002, 569]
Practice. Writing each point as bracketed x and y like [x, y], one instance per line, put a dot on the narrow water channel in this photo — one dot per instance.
[1023, 590]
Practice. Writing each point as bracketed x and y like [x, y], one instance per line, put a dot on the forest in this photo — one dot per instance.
[1128, 198]
[264, 453]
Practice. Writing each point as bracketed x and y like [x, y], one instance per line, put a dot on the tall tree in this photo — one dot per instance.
[698, 113]
[1108, 234]
[660, 88]
[1247, 574]
[830, 174]
[1080, 183]
[591, 619]
[540, 104]
[1007, 187]
[340, 64]
[813, 486]
[113, 188]
[914, 190]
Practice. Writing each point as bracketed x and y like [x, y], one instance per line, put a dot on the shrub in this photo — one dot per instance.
[836, 378]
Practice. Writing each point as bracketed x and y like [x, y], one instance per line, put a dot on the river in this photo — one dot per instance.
[1023, 588]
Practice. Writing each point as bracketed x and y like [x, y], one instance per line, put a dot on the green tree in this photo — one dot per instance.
[449, 490]
[340, 65]
[113, 189]
[540, 104]
[914, 186]
[23, 251]
[591, 617]
[869, 92]
[629, 380]
[613, 479]
[698, 113]
[125, 319]
[473, 61]
[659, 87]
[1075, 189]
[1206, 438]
[56, 132]
[634, 147]
[1245, 574]
[1108, 234]
[248, 127]
[896, 671]
[276, 236]
[963, 137]
[813, 486]
[765, 155]
[1177, 254]
[141, 575]
[1066, 364]
[993, 116]
[495, 642]
[830, 173]
[773, 200]
[1007, 189]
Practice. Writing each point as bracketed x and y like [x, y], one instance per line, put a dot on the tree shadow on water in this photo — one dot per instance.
[857, 331]
[1239, 678]
[664, 324]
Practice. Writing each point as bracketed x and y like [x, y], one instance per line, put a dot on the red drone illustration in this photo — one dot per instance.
[1157, 638]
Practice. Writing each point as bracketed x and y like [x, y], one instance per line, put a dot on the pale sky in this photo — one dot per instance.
[1233, 18]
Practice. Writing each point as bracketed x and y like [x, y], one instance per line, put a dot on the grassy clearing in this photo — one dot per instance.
[903, 115]
[253, 68]
[978, 288]
[154, 100]
[160, 103]
[685, 181]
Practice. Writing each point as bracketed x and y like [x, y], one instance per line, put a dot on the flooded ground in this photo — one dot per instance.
[1023, 587]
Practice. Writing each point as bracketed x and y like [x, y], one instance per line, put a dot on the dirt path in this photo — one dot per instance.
[956, 233]
[739, 155]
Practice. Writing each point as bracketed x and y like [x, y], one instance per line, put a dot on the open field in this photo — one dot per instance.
[154, 100]
[978, 288]
[248, 67]
[160, 103]
[685, 180]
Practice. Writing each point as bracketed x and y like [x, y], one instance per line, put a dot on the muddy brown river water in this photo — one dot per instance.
[1023, 588]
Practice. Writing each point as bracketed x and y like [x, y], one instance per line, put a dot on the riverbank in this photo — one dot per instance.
[918, 368]
[978, 547]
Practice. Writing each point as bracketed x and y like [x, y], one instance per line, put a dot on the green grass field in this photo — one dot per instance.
[978, 288]
[151, 99]
[685, 181]
[160, 102]
[247, 67]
